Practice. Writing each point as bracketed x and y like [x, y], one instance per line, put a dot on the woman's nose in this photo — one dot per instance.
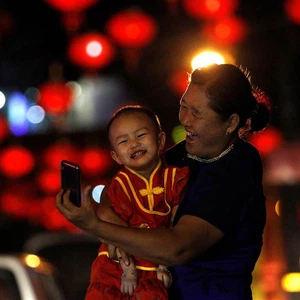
[184, 118]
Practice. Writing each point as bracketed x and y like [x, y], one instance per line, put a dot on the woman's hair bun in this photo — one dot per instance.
[260, 117]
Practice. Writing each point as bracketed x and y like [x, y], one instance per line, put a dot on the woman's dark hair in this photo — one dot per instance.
[229, 90]
[128, 109]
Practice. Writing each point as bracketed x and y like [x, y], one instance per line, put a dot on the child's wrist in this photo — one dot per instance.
[131, 273]
[163, 268]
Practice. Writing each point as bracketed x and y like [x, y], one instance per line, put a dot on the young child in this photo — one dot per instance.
[144, 194]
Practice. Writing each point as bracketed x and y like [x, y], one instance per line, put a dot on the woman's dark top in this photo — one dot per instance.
[227, 193]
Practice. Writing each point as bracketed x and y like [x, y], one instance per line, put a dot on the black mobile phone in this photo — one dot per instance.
[70, 180]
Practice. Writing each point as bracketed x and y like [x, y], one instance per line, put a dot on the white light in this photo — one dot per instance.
[96, 193]
[76, 88]
[17, 109]
[207, 58]
[94, 49]
[35, 114]
[2, 99]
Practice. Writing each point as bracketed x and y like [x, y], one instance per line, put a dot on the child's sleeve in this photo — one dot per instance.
[119, 200]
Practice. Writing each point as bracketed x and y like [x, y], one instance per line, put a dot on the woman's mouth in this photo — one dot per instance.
[191, 135]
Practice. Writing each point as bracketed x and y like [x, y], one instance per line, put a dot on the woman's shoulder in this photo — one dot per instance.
[245, 158]
[245, 150]
[176, 155]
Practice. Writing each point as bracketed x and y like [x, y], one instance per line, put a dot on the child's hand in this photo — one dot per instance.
[129, 278]
[111, 249]
[164, 276]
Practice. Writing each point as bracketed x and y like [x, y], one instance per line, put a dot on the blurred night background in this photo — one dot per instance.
[55, 101]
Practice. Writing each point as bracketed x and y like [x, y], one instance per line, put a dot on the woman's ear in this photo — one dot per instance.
[161, 140]
[115, 157]
[233, 123]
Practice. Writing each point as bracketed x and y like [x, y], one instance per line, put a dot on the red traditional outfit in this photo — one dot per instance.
[141, 203]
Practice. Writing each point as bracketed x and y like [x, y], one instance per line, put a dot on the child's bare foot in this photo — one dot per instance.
[164, 276]
[129, 278]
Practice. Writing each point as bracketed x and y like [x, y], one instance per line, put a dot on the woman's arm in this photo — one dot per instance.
[190, 237]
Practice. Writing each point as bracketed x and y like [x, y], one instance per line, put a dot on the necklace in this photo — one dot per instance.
[210, 160]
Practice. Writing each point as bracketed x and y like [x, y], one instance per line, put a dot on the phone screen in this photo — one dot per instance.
[70, 180]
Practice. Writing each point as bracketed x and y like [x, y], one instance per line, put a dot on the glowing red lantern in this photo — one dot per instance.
[49, 181]
[53, 219]
[292, 10]
[210, 9]
[14, 204]
[267, 140]
[91, 50]
[4, 130]
[54, 154]
[16, 161]
[179, 82]
[71, 5]
[226, 32]
[132, 28]
[55, 97]
[95, 161]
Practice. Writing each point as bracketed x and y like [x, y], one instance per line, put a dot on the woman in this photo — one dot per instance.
[217, 234]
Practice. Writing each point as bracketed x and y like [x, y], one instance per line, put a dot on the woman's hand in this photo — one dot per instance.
[83, 217]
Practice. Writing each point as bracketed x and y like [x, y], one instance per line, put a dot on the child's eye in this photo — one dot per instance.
[122, 142]
[142, 134]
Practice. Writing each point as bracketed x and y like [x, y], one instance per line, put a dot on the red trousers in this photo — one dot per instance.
[106, 281]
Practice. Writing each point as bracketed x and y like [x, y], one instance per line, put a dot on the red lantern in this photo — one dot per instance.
[55, 97]
[16, 161]
[54, 154]
[14, 204]
[179, 82]
[71, 5]
[4, 131]
[132, 28]
[52, 219]
[91, 50]
[226, 32]
[95, 161]
[49, 181]
[292, 10]
[210, 9]
[267, 140]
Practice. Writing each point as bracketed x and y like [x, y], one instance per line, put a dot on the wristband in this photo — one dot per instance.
[162, 268]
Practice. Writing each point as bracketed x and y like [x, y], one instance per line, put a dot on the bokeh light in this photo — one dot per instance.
[97, 191]
[2, 99]
[178, 134]
[207, 58]
[291, 282]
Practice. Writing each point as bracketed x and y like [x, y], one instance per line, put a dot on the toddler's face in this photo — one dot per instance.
[135, 142]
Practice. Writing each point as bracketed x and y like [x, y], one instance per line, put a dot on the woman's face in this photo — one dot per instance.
[205, 130]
